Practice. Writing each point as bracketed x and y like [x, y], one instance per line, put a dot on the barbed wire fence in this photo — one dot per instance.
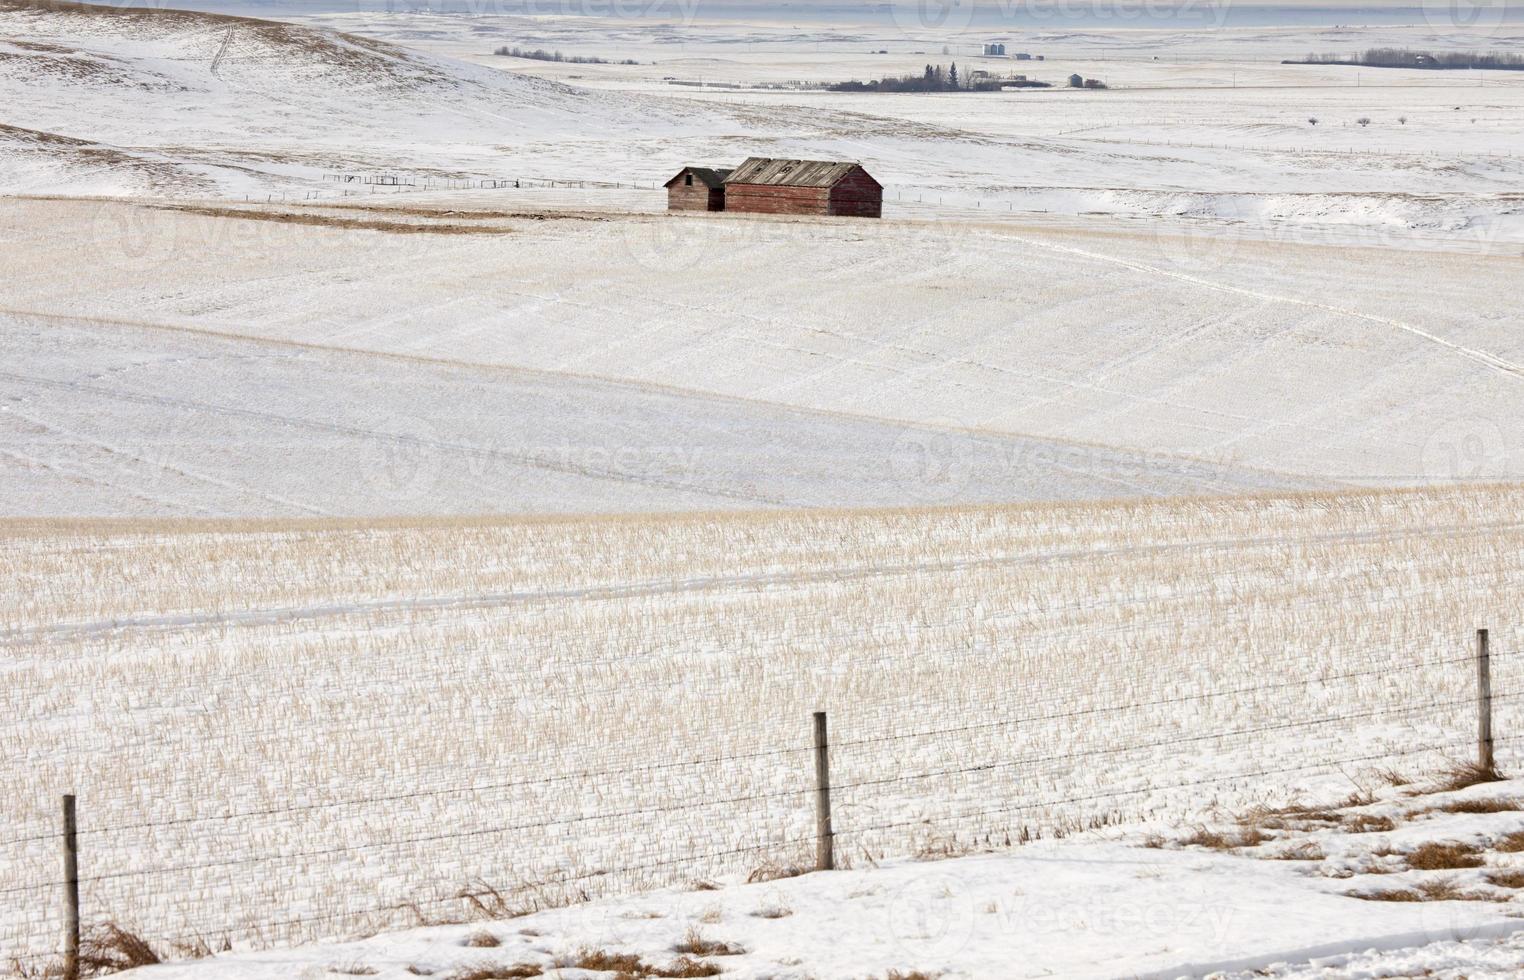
[1048, 770]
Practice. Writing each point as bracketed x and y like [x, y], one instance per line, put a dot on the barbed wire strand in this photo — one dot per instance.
[635, 770]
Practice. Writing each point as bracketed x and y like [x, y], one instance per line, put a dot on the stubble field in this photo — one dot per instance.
[282, 731]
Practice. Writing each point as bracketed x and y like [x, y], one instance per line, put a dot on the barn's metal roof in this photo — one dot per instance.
[709, 176]
[790, 173]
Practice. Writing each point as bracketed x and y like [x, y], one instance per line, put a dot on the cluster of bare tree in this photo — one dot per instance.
[937, 79]
[540, 54]
[1408, 58]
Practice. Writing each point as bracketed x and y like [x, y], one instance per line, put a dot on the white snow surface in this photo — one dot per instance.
[1093, 907]
[549, 358]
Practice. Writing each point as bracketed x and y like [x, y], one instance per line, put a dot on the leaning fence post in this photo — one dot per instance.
[1484, 759]
[825, 842]
[71, 891]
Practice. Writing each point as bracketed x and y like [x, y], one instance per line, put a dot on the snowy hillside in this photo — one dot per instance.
[120, 99]
[100, 99]
[952, 361]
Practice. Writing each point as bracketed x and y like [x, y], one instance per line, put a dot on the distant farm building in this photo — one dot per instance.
[994, 50]
[1076, 81]
[697, 189]
[763, 185]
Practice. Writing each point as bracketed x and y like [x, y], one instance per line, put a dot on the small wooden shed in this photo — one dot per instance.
[765, 185]
[697, 189]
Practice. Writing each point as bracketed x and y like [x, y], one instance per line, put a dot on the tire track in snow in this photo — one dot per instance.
[1499, 364]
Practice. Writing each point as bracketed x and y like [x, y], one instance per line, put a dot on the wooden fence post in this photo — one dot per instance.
[1484, 758]
[825, 842]
[71, 891]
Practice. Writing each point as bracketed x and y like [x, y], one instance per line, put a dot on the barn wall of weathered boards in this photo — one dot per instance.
[857, 195]
[697, 189]
[763, 185]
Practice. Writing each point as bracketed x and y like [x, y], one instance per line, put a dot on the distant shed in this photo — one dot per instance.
[764, 185]
[697, 189]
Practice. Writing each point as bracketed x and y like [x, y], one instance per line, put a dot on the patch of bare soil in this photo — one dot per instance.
[46, 61]
[426, 212]
[87, 155]
[318, 219]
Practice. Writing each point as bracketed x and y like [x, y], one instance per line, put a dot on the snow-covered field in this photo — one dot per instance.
[1219, 297]
[511, 357]
[208, 425]
[288, 731]
[1095, 906]
[398, 712]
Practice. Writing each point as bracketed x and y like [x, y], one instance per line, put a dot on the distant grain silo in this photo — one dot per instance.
[697, 189]
[1076, 81]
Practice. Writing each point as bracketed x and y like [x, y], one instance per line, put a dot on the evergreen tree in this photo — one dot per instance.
[952, 76]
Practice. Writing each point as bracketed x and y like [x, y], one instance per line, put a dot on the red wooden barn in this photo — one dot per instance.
[697, 189]
[767, 186]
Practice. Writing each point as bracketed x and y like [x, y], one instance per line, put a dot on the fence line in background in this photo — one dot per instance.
[737, 757]
[826, 833]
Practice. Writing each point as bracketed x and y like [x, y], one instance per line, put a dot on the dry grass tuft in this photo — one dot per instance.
[773, 912]
[108, 948]
[499, 971]
[1497, 804]
[1295, 817]
[482, 940]
[419, 971]
[695, 944]
[1224, 840]
[629, 966]
[199, 949]
[1435, 856]
[1435, 890]
[1388, 895]
[354, 969]
[1506, 877]
[912, 975]
[938, 847]
[489, 903]
[1305, 851]
[1463, 774]
[1368, 823]
[1511, 843]
[602, 959]
[1446, 890]
[683, 966]
[772, 871]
